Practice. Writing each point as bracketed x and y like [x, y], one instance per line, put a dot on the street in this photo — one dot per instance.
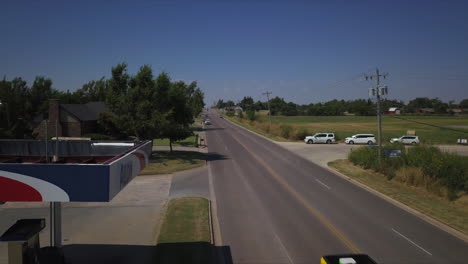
[274, 207]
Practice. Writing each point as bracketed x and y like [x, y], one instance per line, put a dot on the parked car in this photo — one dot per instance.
[406, 140]
[221, 116]
[207, 122]
[368, 139]
[327, 138]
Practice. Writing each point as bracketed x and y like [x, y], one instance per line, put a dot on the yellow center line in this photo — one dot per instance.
[303, 201]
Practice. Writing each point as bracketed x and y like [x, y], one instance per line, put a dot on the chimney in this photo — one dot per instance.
[54, 118]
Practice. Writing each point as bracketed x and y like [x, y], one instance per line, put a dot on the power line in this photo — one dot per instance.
[426, 124]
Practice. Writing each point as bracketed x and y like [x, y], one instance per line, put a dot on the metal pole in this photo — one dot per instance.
[51, 224]
[57, 225]
[56, 140]
[45, 140]
[379, 116]
[269, 111]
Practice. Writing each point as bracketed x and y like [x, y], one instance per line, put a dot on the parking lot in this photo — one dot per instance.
[321, 154]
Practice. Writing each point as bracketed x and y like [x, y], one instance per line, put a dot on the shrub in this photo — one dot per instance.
[230, 113]
[241, 115]
[285, 131]
[411, 176]
[251, 115]
[365, 157]
[301, 133]
[439, 172]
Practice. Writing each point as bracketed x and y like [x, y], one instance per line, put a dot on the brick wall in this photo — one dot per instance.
[71, 129]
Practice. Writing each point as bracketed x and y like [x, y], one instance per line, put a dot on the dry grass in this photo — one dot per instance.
[454, 214]
[344, 126]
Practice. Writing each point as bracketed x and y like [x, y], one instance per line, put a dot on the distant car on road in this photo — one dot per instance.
[406, 140]
[207, 122]
[327, 138]
[220, 116]
[368, 139]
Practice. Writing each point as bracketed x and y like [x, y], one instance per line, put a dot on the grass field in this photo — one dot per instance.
[454, 214]
[188, 142]
[344, 126]
[164, 162]
[186, 220]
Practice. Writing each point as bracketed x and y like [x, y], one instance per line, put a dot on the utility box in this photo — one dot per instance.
[23, 241]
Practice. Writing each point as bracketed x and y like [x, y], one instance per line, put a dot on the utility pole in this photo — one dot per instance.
[269, 111]
[378, 91]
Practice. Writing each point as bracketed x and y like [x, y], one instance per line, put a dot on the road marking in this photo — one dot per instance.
[409, 240]
[218, 240]
[302, 200]
[323, 184]
[283, 248]
[226, 148]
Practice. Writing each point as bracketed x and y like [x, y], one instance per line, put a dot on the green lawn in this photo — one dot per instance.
[165, 162]
[188, 142]
[186, 220]
[454, 214]
[344, 126]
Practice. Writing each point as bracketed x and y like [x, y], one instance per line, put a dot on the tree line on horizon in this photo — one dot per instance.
[141, 105]
[363, 107]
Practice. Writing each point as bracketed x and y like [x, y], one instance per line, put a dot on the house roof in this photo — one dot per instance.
[86, 112]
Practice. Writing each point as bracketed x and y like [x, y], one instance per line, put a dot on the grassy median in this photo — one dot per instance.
[454, 214]
[186, 220]
[165, 162]
[188, 142]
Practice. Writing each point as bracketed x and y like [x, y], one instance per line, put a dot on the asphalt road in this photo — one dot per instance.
[274, 207]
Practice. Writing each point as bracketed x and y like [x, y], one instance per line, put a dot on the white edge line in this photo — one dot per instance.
[328, 187]
[283, 248]
[218, 240]
[409, 240]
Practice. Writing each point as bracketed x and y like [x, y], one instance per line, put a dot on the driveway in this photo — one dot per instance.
[319, 154]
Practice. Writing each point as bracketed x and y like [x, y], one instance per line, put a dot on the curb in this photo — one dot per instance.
[211, 223]
[450, 230]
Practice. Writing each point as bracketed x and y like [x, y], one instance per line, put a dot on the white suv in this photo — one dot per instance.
[368, 139]
[406, 140]
[320, 138]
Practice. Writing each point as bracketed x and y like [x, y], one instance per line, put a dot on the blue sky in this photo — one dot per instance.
[304, 51]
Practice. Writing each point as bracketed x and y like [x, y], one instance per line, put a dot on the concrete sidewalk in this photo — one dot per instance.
[131, 218]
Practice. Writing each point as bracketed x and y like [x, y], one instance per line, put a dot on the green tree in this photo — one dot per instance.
[277, 105]
[247, 103]
[92, 91]
[464, 103]
[180, 115]
[196, 99]
[118, 86]
[41, 90]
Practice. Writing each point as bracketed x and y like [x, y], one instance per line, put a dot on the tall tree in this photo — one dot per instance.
[247, 103]
[93, 91]
[180, 115]
[41, 90]
[196, 98]
[464, 103]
